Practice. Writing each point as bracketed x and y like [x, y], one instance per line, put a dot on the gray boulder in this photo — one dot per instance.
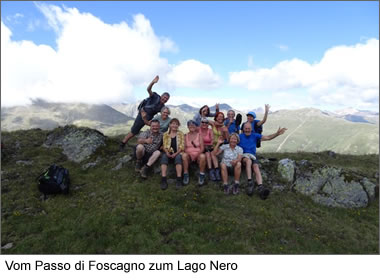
[369, 187]
[78, 143]
[312, 184]
[347, 195]
[286, 169]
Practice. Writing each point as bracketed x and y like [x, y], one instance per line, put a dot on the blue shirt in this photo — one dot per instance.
[232, 128]
[248, 143]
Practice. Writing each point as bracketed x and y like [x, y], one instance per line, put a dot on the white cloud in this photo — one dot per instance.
[193, 74]
[94, 62]
[346, 76]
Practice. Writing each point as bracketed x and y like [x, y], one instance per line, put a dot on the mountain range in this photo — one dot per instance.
[349, 131]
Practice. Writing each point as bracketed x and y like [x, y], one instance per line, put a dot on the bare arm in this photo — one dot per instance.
[274, 135]
[149, 89]
[148, 140]
[216, 150]
[265, 115]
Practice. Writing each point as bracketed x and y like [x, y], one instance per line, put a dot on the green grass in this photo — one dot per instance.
[117, 212]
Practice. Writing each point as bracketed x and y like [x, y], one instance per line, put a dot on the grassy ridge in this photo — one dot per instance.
[117, 212]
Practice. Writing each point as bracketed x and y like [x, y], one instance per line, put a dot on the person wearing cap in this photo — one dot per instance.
[247, 142]
[208, 140]
[204, 112]
[231, 161]
[194, 148]
[150, 107]
[251, 118]
[232, 124]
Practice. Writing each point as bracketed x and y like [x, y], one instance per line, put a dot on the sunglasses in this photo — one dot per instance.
[205, 122]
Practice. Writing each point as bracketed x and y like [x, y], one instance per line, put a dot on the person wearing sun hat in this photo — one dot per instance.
[251, 118]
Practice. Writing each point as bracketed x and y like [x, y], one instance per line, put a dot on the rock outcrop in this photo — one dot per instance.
[78, 143]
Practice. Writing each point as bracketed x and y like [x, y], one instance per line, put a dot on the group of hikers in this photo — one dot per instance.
[223, 145]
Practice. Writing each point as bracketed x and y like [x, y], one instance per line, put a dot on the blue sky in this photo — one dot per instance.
[247, 54]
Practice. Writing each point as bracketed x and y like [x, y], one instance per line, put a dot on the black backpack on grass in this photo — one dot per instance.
[54, 180]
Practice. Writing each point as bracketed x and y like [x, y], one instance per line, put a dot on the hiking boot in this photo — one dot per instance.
[211, 174]
[138, 165]
[144, 172]
[217, 175]
[178, 184]
[250, 188]
[201, 179]
[226, 189]
[186, 178]
[263, 192]
[235, 189]
[121, 146]
[164, 184]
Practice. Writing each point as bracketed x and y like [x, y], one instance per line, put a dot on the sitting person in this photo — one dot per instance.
[248, 143]
[193, 153]
[208, 140]
[163, 118]
[232, 125]
[204, 112]
[257, 125]
[173, 146]
[147, 150]
[231, 161]
[147, 109]
[218, 130]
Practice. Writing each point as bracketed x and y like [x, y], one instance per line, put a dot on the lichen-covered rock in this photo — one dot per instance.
[311, 185]
[348, 195]
[78, 143]
[328, 186]
[286, 169]
[369, 188]
[122, 161]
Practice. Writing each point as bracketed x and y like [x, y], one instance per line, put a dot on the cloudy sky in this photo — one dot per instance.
[288, 54]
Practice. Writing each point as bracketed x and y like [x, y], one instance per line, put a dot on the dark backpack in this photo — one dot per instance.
[258, 129]
[54, 180]
[142, 104]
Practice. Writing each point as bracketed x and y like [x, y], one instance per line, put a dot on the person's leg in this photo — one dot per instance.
[257, 172]
[127, 138]
[248, 168]
[217, 169]
[185, 164]
[178, 165]
[201, 160]
[140, 151]
[137, 125]
[208, 158]
[214, 161]
[202, 163]
[237, 172]
[153, 158]
[223, 167]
